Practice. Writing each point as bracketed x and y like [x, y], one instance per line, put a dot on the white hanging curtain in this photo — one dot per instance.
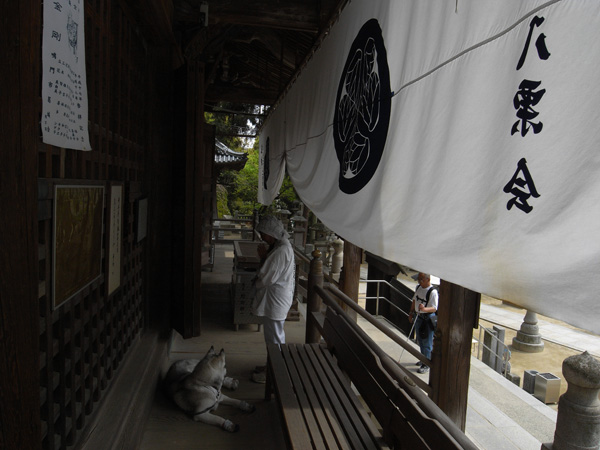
[460, 139]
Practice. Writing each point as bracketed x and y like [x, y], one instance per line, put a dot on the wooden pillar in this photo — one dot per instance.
[313, 301]
[158, 184]
[350, 278]
[187, 198]
[458, 314]
[20, 423]
[193, 200]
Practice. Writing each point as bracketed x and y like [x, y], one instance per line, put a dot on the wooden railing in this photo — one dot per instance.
[302, 270]
[329, 292]
[319, 292]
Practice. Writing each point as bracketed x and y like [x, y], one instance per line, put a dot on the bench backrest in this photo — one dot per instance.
[403, 422]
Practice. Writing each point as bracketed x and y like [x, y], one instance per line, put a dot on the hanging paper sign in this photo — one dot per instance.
[64, 87]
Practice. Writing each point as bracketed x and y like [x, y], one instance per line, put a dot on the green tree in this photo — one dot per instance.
[243, 195]
[239, 190]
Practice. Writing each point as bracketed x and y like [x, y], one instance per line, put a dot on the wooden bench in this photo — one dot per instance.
[320, 408]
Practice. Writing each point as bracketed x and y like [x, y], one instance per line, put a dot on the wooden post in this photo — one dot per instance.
[351, 274]
[313, 301]
[188, 195]
[20, 422]
[458, 312]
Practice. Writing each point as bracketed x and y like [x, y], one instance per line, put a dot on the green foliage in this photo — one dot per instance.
[243, 187]
[222, 201]
[238, 191]
[287, 194]
[233, 120]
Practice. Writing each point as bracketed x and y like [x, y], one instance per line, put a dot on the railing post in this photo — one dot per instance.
[313, 301]
[578, 420]
[351, 271]
[457, 316]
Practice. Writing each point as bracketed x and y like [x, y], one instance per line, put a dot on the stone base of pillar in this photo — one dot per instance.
[528, 343]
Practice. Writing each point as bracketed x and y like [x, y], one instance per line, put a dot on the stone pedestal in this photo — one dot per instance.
[528, 338]
[578, 420]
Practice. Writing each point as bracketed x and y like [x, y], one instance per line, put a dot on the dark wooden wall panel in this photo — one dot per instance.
[84, 341]
[20, 425]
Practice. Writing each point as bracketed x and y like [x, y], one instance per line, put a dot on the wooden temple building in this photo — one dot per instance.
[153, 69]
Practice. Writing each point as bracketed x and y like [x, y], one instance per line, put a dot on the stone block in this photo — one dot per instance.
[529, 380]
[488, 355]
[514, 378]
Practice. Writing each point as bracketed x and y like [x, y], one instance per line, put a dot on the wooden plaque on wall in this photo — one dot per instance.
[77, 259]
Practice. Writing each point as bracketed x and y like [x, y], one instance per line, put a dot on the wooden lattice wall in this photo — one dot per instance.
[83, 342]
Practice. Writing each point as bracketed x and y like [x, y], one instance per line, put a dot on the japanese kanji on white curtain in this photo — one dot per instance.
[457, 138]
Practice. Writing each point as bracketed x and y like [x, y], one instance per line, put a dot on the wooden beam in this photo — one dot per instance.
[241, 95]
[154, 17]
[298, 15]
[457, 316]
[233, 112]
[20, 422]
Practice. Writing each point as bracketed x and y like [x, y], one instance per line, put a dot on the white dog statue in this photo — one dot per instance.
[195, 386]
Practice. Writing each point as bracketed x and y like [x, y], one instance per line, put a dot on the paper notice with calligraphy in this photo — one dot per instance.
[64, 89]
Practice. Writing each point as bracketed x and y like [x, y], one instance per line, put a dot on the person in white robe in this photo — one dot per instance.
[274, 282]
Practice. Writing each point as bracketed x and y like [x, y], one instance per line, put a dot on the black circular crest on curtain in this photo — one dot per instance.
[266, 165]
[362, 109]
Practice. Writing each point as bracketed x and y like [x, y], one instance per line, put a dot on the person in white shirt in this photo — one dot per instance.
[275, 282]
[424, 304]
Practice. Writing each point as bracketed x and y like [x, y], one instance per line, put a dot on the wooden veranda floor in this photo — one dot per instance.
[171, 429]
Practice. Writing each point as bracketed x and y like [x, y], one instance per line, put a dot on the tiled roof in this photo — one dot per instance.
[227, 158]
